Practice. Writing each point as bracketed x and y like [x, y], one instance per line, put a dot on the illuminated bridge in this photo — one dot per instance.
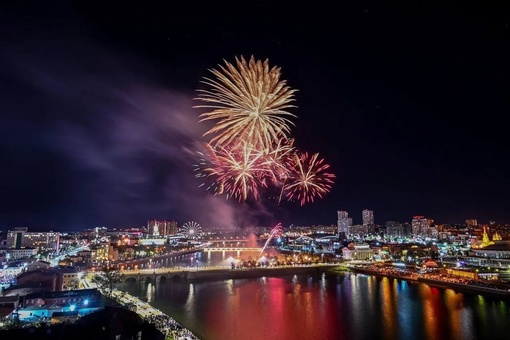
[238, 249]
[218, 272]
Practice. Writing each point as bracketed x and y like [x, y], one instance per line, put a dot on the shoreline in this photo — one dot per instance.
[186, 334]
[164, 323]
[124, 298]
[168, 326]
[459, 287]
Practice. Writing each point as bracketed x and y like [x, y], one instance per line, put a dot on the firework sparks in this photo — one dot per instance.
[275, 232]
[236, 169]
[277, 160]
[308, 178]
[249, 102]
[250, 147]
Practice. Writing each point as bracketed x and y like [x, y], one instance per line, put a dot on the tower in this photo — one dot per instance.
[367, 217]
[343, 224]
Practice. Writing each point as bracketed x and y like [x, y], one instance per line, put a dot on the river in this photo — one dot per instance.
[332, 306]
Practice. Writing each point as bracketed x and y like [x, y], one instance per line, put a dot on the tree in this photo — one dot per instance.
[106, 280]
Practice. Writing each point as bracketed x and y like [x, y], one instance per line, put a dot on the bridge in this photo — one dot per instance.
[161, 274]
[238, 249]
[218, 272]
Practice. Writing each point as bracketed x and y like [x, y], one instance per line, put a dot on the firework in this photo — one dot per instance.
[275, 232]
[308, 178]
[277, 160]
[237, 169]
[250, 147]
[249, 102]
[205, 170]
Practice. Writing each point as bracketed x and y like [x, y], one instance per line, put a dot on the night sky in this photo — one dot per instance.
[406, 102]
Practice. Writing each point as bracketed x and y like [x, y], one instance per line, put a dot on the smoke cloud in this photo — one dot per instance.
[121, 141]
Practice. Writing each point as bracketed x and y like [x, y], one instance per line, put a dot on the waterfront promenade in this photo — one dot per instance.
[433, 279]
[164, 323]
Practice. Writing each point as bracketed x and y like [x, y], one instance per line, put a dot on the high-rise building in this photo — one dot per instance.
[344, 222]
[394, 229]
[15, 237]
[421, 225]
[21, 238]
[162, 228]
[472, 222]
[367, 217]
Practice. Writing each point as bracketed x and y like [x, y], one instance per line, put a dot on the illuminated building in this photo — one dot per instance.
[15, 237]
[394, 229]
[69, 278]
[344, 222]
[472, 223]
[45, 304]
[360, 230]
[113, 253]
[358, 252]
[421, 226]
[54, 279]
[497, 237]
[367, 217]
[99, 253]
[15, 254]
[162, 228]
[485, 240]
[22, 238]
[497, 254]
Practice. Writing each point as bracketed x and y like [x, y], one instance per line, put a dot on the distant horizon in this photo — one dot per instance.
[63, 230]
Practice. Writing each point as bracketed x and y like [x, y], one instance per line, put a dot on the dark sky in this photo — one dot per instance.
[406, 102]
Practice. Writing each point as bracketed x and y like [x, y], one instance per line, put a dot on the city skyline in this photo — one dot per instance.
[98, 126]
[348, 216]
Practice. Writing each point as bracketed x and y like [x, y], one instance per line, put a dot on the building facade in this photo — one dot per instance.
[367, 217]
[344, 223]
[358, 252]
[162, 228]
[421, 226]
[22, 253]
[22, 238]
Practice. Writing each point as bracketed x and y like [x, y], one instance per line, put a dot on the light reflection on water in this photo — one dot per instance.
[331, 306]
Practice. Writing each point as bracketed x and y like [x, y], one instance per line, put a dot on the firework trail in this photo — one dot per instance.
[276, 231]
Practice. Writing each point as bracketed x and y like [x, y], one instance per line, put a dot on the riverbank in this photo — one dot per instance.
[170, 328]
[164, 323]
[444, 284]
[406, 277]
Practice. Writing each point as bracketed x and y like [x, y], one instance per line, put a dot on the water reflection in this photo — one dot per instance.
[388, 309]
[190, 301]
[150, 292]
[432, 312]
[454, 303]
[230, 287]
[326, 307]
